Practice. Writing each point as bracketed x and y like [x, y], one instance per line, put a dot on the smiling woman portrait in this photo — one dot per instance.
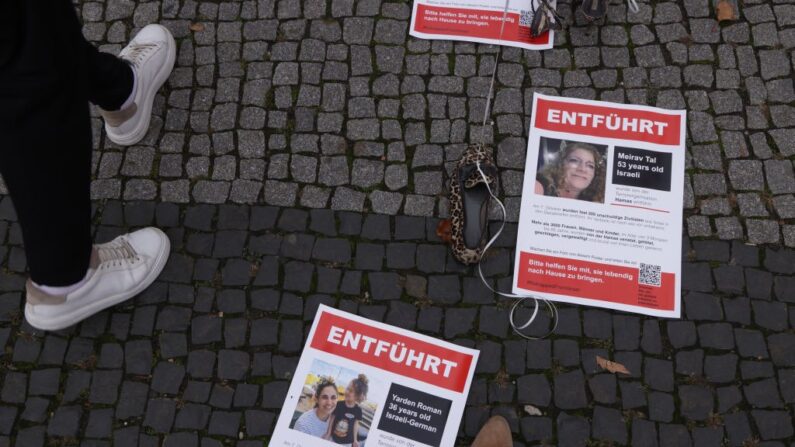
[576, 172]
[315, 422]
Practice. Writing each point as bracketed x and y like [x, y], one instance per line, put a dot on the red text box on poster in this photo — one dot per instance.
[608, 122]
[392, 352]
[593, 280]
[479, 23]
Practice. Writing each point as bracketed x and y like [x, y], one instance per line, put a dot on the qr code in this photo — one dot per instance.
[525, 18]
[649, 275]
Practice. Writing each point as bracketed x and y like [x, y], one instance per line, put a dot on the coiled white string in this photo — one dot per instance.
[553, 310]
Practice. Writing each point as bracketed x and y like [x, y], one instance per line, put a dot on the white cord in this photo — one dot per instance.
[493, 74]
[553, 310]
[633, 5]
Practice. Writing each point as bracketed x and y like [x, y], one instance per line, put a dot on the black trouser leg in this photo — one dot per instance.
[108, 79]
[45, 132]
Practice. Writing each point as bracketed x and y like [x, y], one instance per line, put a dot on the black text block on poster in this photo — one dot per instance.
[415, 415]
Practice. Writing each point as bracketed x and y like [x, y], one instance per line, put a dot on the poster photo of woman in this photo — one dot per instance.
[337, 404]
[571, 169]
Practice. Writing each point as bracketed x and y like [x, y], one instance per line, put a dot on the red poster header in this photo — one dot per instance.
[392, 352]
[608, 122]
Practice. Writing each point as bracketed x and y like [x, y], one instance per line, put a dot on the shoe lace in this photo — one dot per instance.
[116, 253]
[137, 52]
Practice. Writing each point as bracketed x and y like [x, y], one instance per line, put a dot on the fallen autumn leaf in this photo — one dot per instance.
[613, 367]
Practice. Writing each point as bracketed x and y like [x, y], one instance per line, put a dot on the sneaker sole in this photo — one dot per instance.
[139, 132]
[71, 319]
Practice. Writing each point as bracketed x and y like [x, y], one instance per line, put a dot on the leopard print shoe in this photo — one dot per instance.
[469, 202]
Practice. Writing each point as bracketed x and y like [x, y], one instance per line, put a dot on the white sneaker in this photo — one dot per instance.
[152, 54]
[119, 270]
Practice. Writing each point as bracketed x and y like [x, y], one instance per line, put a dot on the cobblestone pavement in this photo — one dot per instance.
[298, 156]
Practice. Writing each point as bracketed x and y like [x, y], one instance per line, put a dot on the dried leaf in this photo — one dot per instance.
[444, 230]
[725, 11]
[197, 27]
[532, 411]
[613, 367]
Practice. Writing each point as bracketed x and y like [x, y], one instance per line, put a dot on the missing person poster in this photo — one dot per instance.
[361, 382]
[479, 21]
[601, 213]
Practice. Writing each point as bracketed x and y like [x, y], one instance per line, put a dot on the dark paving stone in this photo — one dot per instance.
[674, 435]
[737, 427]
[369, 256]
[323, 222]
[697, 277]
[763, 394]
[401, 314]
[293, 220]
[167, 378]
[409, 228]
[569, 390]
[100, 423]
[760, 283]
[782, 349]
[263, 217]
[534, 389]
[332, 250]
[708, 436]
[780, 261]
[14, 387]
[35, 410]
[43, 382]
[651, 341]
[716, 336]
[695, 402]
[661, 407]
[132, 400]
[608, 424]
[258, 423]
[384, 286]
[201, 364]
[105, 386]
[400, 256]
[536, 428]
[160, 415]
[658, 374]
[65, 422]
[720, 368]
[273, 394]
[626, 332]
[491, 353]
[701, 306]
[444, 289]
[573, 430]
[603, 388]
[376, 227]
[644, 432]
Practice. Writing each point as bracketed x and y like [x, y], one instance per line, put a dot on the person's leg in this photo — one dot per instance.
[109, 80]
[495, 433]
[145, 64]
[45, 156]
[45, 159]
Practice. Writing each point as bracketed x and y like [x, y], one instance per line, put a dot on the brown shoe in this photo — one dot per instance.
[496, 433]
